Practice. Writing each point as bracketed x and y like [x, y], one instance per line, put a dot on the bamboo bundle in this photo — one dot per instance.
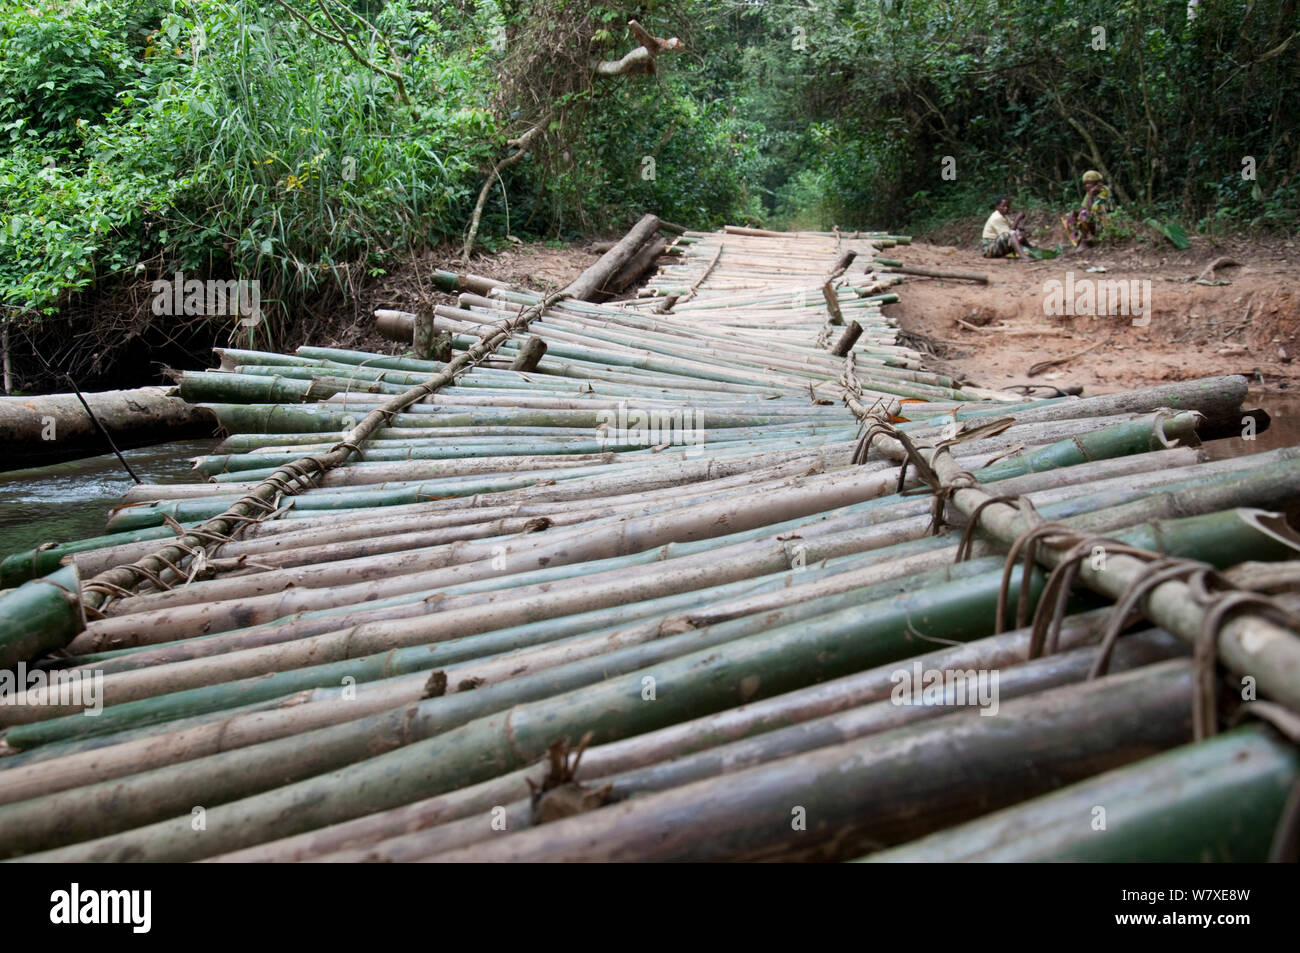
[402, 588]
[878, 790]
[309, 659]
[682, 739]
[880, 716]
[885, 535]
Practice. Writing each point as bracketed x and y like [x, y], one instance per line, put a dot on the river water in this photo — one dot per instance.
[71, 500]
[1283, 430]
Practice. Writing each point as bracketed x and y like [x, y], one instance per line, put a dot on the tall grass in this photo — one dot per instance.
[242, 146]
[296, 164]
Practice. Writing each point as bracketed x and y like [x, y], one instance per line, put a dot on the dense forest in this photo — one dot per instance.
[312, 144]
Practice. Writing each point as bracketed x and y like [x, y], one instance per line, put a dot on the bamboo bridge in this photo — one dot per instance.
[720, 572]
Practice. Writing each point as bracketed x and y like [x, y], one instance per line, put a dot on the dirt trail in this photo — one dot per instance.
[1249, 326]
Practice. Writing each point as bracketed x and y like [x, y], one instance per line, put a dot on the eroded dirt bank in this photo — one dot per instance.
[1251, 325]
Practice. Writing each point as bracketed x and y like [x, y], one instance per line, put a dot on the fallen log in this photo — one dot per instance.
[52, 427]
[589, 284]
[637, 265]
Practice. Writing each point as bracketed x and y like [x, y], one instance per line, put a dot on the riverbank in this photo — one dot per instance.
[1245, 320]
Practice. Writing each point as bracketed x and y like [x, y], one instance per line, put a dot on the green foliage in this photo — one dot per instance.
[227, 142]
[1025, 96]
[1122, 226]
[644, 148]
[235, 139]
[230, 139]
[60, 70]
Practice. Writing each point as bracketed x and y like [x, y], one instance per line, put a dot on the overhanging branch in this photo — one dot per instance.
[640, 60]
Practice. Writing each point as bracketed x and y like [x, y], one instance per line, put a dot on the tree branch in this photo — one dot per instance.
[392, 53]
[521, 145]
[341, 39]
[640, 60]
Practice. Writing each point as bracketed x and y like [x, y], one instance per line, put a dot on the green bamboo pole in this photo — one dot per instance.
[39, 616]
[199, 386]
[1217, 801]
[41, 561]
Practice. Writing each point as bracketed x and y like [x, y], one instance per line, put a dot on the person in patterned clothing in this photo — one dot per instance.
[1083, 225]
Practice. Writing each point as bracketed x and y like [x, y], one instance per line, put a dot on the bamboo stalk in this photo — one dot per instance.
[1218, 800]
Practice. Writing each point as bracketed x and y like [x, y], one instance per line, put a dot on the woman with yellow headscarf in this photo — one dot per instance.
[1083, 225]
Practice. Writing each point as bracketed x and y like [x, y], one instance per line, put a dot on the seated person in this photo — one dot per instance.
[1003, 235]
[1083, 225]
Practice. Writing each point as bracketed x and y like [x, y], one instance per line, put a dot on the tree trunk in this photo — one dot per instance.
[591, 282]
[53, 427]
